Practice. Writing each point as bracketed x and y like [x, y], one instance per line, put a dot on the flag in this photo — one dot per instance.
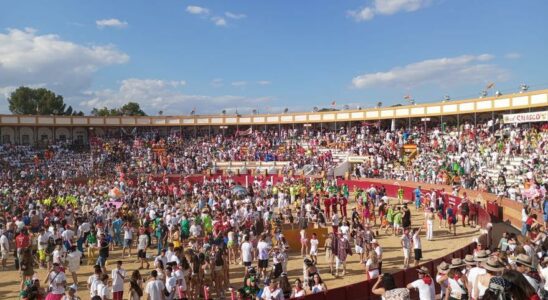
[333, 103]
[489, 85]
[244, 132]
[406, 97]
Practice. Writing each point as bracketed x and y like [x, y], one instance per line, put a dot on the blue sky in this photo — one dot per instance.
[176, 55]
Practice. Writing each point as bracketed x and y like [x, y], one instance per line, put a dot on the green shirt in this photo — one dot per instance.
[390, 215]
[398, 218]
[92, 239]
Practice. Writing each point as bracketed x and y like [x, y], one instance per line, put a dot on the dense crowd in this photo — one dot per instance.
[137, 199]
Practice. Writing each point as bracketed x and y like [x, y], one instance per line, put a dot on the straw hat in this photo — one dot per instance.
[481, 256]
[492, 264]
[469, 259]
[423, 270]
[525, 260]
[443, 267]
[457, 263]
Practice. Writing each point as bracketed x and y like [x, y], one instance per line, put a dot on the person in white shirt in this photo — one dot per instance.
[161, 258]
[102, 289]
[128, 238]
[57, 280]
[263, 254]
[425, 284]
[155, 287]
[142, 247]
[406, 246]
[73, 260]
[171, 283]
[181, 281]
[524, 265]
[314, 242]
[4, 249]
[43, 239]
[476, 270]
[417, 247]
[92, 281]
[272, 291]
[246, 253]
[118, 276]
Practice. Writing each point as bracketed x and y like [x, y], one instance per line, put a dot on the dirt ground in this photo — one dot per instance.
[443, 243]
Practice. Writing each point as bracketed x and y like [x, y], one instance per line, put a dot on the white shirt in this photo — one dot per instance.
[416, 241]
[73, 260]
[4, 244]
[277, 294]
[533, 282]
[171, 284]
[155, 289]
[143, 241]
[473, 274]
[118, 279]
[67, 235]
[128, 233]
[263, 249]
[544, 273]
[91, 282]
[314, 244]
[179, 274]
[54, 280]
[426, 291]
[102, 290]
[246, 252]
[378, 250]
[43, 240]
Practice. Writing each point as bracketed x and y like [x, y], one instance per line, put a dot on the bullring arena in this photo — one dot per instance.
[141, 168]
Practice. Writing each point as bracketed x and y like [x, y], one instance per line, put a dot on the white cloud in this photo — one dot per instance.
[154, 95]
[442, 71]
[387, 7]
[234, 15]
[197, 10]
[264, 82]
[239, 83]
[27, 58]
[512, 55]
[219, 21]
[111, 23]
[217, 82]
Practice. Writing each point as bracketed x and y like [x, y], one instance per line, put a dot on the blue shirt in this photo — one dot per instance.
[417, 194]
[117, 225]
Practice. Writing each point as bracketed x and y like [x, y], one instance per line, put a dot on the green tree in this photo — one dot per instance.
[128, 109]
[132, 109]
[41, 101]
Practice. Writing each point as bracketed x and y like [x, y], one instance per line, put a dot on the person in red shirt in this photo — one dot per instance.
[22, 241]
[334, 204]
[327, 207]
[344, 203]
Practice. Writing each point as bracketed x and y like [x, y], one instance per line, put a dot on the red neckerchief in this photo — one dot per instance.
[427, 279]
[534, 297]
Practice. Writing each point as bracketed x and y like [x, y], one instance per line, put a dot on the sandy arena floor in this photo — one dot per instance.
[443, 243]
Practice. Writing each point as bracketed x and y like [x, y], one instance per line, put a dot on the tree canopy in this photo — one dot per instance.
[40, 101]
[128, 109]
